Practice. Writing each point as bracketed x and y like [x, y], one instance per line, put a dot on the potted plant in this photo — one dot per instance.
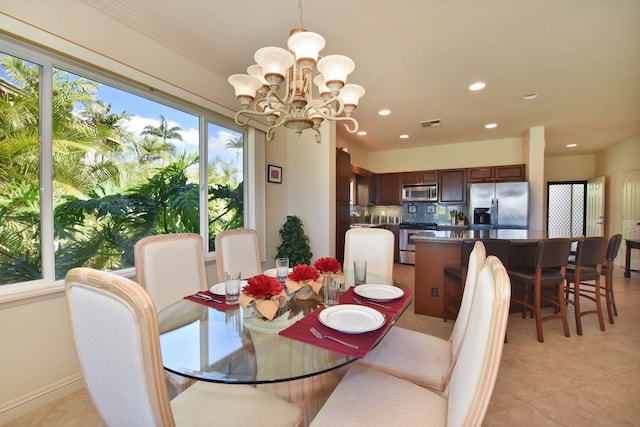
[294, 242]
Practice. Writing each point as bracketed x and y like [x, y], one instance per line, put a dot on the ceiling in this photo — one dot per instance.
[418, 57]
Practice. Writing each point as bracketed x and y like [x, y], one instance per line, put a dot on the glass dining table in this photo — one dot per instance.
[229, 345]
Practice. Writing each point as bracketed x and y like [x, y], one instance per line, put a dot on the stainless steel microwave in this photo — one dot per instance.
[420, 193]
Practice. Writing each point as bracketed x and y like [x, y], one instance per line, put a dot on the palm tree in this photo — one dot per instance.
[163, 131]
[236, 144]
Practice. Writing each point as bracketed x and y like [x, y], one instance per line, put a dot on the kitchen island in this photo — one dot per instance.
[437, 249]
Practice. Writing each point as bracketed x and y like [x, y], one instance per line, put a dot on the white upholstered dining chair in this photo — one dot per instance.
[169, 267]
[374, 245]
[424, 359]
[370, 397]
[116, 336]
[237, 250]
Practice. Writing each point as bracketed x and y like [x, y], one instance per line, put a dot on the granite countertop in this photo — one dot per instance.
[458, 235]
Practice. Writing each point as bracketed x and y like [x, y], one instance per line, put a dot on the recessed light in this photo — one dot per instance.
[530, 96]
[571, 145]
[362, 133]
[477, 86]
[404, 136]
[490, 125]
[384, 112]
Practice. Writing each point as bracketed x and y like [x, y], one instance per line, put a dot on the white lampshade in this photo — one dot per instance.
[351, 93]
[256, 71]
[274, 61]
[306, 45]
[335, 69]
[319, 82]
[244, 84]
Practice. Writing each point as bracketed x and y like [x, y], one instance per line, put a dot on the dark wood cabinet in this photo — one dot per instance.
[373, 189]
[395, 229]
[496, 173]
[419, 177]
[510, 172]
[343, 176]
[453, 185]
[361, 177]
[389, 188]
[343, 208]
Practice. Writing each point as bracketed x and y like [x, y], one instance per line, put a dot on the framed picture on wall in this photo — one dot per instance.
[274, 174]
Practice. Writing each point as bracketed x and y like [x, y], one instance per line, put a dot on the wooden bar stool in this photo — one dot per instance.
[548, 271]
[455, 275]
[588, 267]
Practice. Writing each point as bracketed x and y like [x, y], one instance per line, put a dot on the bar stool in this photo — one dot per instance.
[456, 275]
[612, 252]
[590, 253]
[548, 271]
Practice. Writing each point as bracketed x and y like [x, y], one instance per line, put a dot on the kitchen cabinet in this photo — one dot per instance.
[453, 186]
[510, 172]
[395, 229]
[343, 208]
[373, 189]
[389, 189]
[496, 173]
[361, 179]
[343, 176]
[419, 177]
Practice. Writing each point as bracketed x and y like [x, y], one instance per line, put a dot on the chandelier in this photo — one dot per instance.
[280, 86]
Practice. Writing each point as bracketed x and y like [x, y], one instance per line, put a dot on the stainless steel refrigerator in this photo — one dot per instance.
[512, 201]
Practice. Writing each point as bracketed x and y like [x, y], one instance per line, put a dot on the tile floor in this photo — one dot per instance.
[588, 380]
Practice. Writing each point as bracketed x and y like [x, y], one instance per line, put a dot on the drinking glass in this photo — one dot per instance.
[331, 285]
[359, 272]
[232, 286]
[282, 269]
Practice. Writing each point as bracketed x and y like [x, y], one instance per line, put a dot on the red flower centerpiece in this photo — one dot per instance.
[302, 280]
[267, 293]
[327, 265]
[263, 287]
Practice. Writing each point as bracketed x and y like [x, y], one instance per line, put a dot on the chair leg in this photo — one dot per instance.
[609, 284]
[563, 308]
[576, 303]
[599, 305]
[538, 314]
[608, 298]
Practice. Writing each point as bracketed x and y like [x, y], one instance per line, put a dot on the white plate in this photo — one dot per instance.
[351, 318]
[218, 288]
[272, 272]
[378, 292]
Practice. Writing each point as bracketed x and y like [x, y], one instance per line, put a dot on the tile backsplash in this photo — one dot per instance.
[408, 212]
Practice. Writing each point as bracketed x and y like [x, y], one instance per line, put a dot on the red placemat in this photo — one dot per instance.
[347, 297]
[366, 341]
[223, 306]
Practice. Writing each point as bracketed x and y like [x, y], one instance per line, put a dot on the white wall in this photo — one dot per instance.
[506, 151]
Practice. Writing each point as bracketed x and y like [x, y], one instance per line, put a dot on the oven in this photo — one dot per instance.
[408, 231]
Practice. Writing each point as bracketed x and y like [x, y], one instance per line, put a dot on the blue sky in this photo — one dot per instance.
[145, 112]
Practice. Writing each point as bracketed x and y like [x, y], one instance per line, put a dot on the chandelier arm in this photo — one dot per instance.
[346, 125]
[319, 107]
[240, 114]
[318, 136]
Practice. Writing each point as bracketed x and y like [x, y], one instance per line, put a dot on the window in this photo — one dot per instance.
[125, 164]
[566, 203]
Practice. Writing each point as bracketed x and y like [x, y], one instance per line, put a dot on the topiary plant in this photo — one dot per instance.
[295, 244]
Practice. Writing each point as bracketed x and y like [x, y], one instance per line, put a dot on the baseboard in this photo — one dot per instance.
[40, 397]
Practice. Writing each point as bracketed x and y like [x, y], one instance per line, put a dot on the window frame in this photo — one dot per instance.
[47, 61]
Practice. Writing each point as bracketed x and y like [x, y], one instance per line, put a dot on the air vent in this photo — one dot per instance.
[430, 123]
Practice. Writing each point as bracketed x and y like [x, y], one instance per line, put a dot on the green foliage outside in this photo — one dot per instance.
[110, 188]
[294, 242]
